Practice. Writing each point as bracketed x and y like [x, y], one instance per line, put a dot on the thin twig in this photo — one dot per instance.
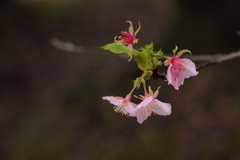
[157, 75]
[219, 58]
[209, 59]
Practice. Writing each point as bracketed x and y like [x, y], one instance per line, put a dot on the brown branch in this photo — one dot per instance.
[209, 59]
[215, 59]
[205, 64]
[157, 75]
[218, 58]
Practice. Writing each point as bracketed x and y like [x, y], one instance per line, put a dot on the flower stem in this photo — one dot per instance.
[145, 89]
[129, 96]
[130, 93]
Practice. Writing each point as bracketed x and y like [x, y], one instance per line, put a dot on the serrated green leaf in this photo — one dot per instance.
[159, 53]
[147, 47]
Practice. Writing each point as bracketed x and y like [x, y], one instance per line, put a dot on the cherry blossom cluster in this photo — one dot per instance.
[148, 60]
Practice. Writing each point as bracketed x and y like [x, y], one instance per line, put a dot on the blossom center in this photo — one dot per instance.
[150, 108]
[181, 67]
[177, 63]
[120, 109]
[127, 38]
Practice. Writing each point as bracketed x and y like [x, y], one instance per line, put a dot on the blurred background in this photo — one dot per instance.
[51, 105]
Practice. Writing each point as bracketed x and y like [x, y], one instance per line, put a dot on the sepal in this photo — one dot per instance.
[175, 50]
[183, 51]
[166, 62]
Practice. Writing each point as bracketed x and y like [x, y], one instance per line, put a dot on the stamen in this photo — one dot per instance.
[120, 109]
[150, 109]
[181, 67]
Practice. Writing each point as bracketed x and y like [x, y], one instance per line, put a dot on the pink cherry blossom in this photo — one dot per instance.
[178, 70]
[122, 105]
[150, 105]
[129, 38]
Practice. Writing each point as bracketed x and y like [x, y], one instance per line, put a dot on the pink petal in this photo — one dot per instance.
[114, 100]
[172, 75]
[179, 79]
[177, 75]
[162, 108]
[142, 115]
[143, 104]
[169, 74]
[190, 67]
[129, 107]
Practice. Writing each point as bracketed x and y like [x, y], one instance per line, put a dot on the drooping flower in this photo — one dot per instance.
[122, 105]
[129, 38]
[150, 105]
[179, 69]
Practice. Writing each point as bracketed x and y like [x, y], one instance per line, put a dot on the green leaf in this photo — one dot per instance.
[142, 60]
[147, 75]
[135, 52]
[116, 47]
[143, 80]
[159, 54]
[148, 47]
[156, 63]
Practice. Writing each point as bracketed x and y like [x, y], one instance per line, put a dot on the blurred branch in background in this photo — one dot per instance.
[70, 47]
[214, 59]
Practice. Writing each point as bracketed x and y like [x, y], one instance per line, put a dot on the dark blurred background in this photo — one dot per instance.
[51, 105]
